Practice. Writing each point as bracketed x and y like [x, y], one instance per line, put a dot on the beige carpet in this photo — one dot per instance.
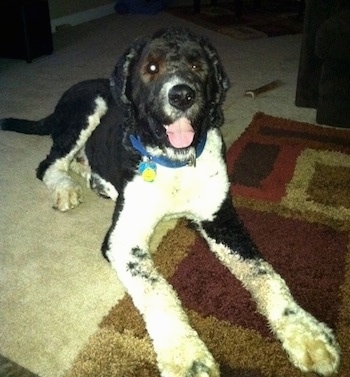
[55, 286]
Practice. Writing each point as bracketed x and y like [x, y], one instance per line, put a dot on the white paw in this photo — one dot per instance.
[310, 344]
[67, 194]
[190, 358]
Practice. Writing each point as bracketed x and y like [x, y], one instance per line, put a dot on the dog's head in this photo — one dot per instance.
[172, 85]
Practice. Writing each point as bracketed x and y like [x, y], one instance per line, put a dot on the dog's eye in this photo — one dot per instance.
[152, 68]
[195, 67]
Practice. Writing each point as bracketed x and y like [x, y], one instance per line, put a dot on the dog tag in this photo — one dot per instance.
[147, 170]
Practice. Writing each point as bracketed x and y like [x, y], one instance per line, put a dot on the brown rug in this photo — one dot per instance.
[273, 18]
[291, 185]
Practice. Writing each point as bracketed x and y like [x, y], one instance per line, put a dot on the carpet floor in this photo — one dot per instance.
[290, 185]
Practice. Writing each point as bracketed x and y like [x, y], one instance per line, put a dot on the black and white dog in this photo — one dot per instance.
[149, 139]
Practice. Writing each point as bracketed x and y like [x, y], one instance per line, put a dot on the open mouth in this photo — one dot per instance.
[180, 133]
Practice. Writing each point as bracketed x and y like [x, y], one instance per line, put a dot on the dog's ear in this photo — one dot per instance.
[120, 79]
[221, 78]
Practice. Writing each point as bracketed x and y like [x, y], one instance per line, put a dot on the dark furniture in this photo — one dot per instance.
[25, 30]
[239, 6]
[323, 79]
[237, 3]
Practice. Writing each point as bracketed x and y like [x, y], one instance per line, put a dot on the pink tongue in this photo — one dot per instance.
[180, 133]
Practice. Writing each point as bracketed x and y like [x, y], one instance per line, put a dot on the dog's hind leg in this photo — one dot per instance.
[53, 171]
[310, 344]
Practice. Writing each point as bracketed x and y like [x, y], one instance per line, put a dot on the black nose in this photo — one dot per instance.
[181, 96]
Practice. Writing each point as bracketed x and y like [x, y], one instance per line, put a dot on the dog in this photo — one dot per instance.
[149, 138]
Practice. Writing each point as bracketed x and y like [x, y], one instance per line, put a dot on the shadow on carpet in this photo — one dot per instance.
[290, 183]
[273, 18]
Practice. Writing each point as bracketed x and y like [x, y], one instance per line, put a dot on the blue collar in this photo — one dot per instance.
[165, 161]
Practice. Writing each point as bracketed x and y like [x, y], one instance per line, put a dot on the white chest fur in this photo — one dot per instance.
[196, 192]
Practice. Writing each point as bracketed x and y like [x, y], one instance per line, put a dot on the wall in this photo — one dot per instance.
[61, 8]
[67, 12]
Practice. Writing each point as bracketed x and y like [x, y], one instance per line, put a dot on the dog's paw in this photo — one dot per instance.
[192, 359]
[67, 194]
[310, 344]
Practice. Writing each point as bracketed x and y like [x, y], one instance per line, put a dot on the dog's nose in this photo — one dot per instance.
[181, 96]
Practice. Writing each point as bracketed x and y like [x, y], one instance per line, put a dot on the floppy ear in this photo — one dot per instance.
[222, 81]
[120, 79]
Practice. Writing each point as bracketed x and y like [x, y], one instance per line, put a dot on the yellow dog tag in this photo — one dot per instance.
[148, 170]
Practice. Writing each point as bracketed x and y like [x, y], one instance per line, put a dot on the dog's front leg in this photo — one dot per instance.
[180, 352]
[310, 344]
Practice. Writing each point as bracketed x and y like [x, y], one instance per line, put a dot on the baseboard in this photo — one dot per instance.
[84, 16]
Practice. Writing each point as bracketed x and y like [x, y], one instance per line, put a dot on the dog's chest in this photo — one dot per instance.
[196, 191]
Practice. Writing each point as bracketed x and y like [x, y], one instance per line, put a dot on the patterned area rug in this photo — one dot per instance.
[273, 18]
[290, 183]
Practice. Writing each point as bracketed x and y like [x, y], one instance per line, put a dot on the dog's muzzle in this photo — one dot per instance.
[181, 97]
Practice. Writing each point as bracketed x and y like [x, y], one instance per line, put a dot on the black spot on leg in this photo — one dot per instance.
[137, 269]
[287, 312]
[330, 340]
[198, 367]
[139, 253]
[259, 268]
[132, 266]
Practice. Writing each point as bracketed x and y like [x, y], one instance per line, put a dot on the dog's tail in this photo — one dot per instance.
[24, 126]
